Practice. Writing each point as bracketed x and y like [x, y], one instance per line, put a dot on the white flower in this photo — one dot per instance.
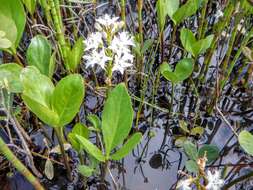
[121, 42]
[108, 23]
[185, 184]
[93, 41]
[219, 14]
[121, 62]
[120, 46]
[97, 57]
[214, 180]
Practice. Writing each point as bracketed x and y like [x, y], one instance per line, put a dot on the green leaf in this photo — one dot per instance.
[184, 69]
[37, 94]
[193, 46]
[81, 129]
[212, 152]
[161, 13]
[11, 72]
[245, 140]
[51, 66]
[13, 10]
[192, 166]
[186, 10]
[75, 55]
[4, 42]
[10, 30]
[147, 44]
[94, 119]
[183, 126]
[127, 147]
[191, 150]
[39, 54]
[91, 148]
[117, 117]
[30, 5]
[78, 129]
[85, 170]
[187, 39]
[202, 45]
[171, 7]
[197, 131]
[67, 98]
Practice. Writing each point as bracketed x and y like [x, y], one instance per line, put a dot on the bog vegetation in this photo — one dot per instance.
[178, 60]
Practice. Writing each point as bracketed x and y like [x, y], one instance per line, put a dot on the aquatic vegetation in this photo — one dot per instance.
[96, 94]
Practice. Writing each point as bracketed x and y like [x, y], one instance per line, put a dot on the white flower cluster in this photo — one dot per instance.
[214, 180]
[100, 50]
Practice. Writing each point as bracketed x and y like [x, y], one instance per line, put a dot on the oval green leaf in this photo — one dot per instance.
[127, 147]
[11, 73]
[245, 140]
[39, 54]
[67, 98]
[212, 152]
[117, 117]
[91, 148]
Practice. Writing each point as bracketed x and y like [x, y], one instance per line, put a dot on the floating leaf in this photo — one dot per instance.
[11, 72]
[245, 140]
[117, 117]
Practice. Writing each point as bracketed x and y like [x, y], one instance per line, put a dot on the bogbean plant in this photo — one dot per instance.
[57, 105]
[109, 48]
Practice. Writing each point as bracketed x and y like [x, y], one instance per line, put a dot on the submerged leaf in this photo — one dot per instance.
[49, 169]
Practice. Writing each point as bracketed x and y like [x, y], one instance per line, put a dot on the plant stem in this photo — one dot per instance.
[19, 165]
[123, 12]
[202, 21]
[237, 180]
[172, 40]
[139, 59]
[17, 59]
[59, 134]
[56, 15]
